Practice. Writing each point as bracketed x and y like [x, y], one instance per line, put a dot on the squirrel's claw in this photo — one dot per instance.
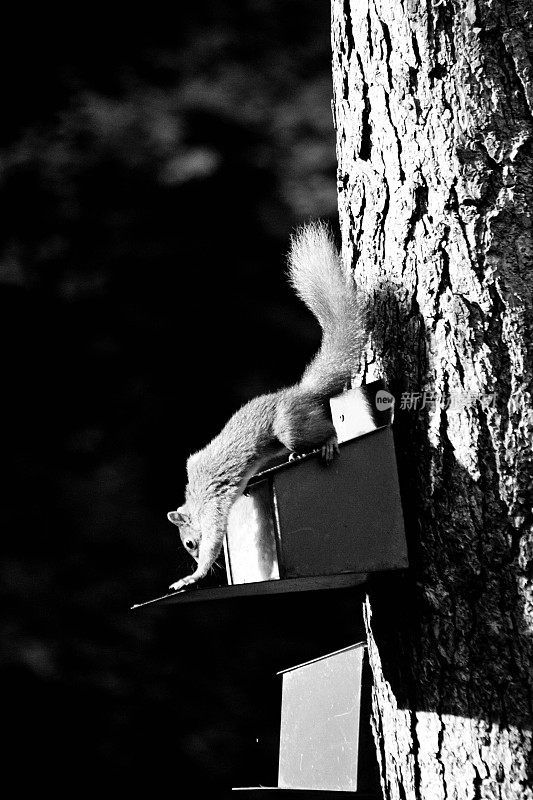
[330, 449]
[182, 583]
[198, 574]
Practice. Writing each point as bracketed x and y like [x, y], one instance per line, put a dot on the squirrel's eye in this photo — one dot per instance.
[189, 544]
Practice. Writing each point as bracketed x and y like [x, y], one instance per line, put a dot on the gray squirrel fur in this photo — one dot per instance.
[292, 419]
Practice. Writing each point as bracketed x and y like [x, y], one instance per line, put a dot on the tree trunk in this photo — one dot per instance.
[433, 113]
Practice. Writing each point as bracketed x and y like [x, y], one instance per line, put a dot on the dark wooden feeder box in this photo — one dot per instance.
[302, 525]
[323, 750]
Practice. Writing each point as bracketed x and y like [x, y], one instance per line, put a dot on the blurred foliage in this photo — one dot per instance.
[150, 180]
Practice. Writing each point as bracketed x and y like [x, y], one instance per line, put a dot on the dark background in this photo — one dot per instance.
[151, 177]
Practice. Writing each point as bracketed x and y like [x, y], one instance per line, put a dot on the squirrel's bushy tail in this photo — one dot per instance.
[317, 274]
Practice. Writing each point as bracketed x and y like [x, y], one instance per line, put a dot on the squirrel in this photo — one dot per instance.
[294, 419]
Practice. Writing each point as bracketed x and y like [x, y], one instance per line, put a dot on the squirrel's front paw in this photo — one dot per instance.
[182, 583]
[329, 449]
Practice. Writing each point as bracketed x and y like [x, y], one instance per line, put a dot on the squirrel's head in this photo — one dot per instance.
[189, 535]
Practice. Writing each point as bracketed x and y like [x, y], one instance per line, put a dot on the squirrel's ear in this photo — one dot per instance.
[178, 517]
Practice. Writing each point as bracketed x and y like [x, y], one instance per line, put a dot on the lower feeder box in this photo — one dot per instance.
[323, 750]
[303, 525]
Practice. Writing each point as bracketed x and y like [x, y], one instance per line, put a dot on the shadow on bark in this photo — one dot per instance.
[452, 632]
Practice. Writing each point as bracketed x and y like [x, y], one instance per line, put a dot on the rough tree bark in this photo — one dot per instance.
[433, 111]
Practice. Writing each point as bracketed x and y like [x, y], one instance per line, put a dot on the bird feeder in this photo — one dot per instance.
[305, 525]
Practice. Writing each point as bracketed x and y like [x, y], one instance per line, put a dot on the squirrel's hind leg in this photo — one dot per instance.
[303, 424]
